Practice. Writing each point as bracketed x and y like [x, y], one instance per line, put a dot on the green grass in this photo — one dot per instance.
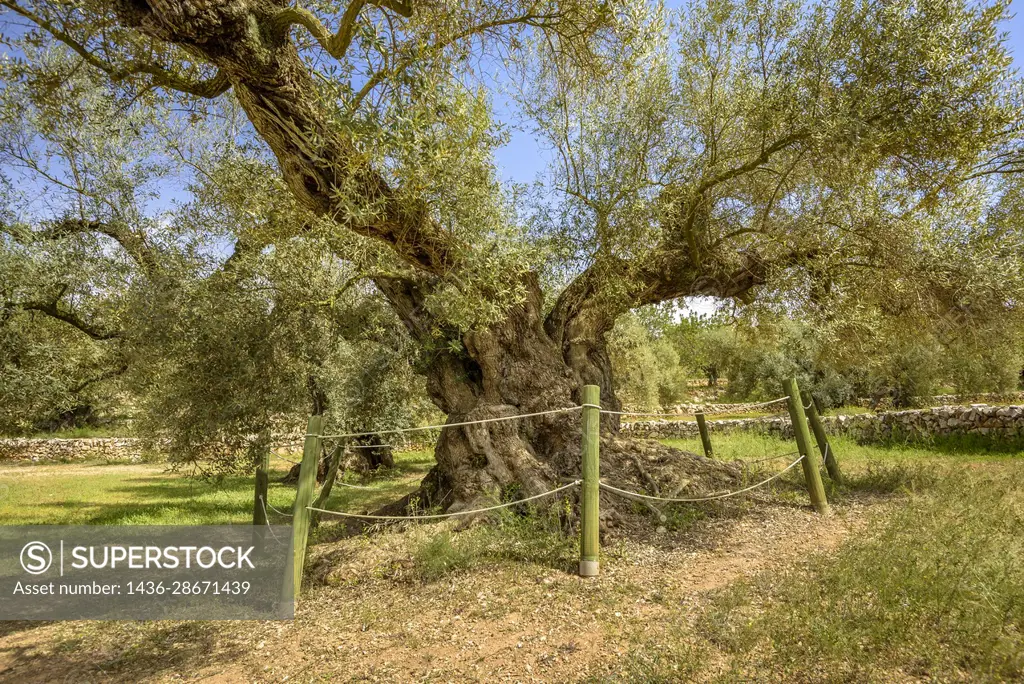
[752, 446]
[529, 536]
[935, 593]
[147, 494]
[933, 589]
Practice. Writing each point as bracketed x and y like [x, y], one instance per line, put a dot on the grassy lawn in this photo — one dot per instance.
[749, 446]
[935, 592]
[778, 413]
[917, 575]
[148, 494]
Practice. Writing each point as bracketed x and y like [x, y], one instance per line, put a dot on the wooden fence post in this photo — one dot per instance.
[259, 503]
[803, 442]
[300, 511]
[705, 437]
[334, 461]
[590, 530]
[820, 436]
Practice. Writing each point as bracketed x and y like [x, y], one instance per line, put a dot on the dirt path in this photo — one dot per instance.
[517, 622]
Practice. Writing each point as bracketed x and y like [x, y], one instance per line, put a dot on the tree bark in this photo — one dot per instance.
[529, 363]
[259, 504]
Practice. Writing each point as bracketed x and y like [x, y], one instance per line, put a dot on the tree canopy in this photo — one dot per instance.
[827, 157]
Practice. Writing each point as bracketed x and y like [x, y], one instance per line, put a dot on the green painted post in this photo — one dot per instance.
[820, 436]
[300, 511]
[705, 437]
[803, 442]
[590, 540]
[259, 503]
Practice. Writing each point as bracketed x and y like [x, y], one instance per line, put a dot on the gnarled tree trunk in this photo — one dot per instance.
[530, 363]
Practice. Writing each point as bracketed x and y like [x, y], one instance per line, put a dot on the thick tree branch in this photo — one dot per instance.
[53, 310]
[134, 244]
[209, 88]
[337, 44]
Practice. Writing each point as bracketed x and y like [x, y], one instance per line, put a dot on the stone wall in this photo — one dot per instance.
[124, 449]
[920, 402]
[998, 422]
[711, 409]
[957, 399]
[112, 449]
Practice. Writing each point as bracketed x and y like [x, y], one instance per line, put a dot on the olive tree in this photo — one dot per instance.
[725, 151]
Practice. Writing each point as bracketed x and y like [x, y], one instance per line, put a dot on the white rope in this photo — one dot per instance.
[351, 486]
[266, 517]
[267, 503]
[828, 453]
[447, 425]
[447, 515]
[703, 498]
[769, 458]
[737, 408]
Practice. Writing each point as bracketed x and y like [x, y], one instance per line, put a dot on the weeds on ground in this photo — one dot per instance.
[671, 659]
[536, 536]
[882, 477]
[935, 593]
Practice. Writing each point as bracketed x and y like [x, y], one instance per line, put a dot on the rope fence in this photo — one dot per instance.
[267, 503]
[266, 517]
[438, 516]
[590, 482]
[714, 497]
[769, 458]
[395, 431]
[710, 412]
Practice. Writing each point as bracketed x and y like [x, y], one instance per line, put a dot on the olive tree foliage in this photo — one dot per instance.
[75, 161]
[801, 147]
[646, 363]
[731, 149]
[944, 316]
[219, 336]
[794, 142]
[959, 327]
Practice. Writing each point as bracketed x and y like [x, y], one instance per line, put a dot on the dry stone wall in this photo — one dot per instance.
[111, 449]
[998, 422]
[62, 450]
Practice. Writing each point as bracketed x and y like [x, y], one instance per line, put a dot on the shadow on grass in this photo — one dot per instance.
[881, 478]
[166, 513]
[8, 627]
[160, 650]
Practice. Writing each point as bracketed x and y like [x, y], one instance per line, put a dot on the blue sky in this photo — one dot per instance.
[523, 158]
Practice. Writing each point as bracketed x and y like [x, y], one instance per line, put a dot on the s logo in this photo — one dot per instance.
[36, 558]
